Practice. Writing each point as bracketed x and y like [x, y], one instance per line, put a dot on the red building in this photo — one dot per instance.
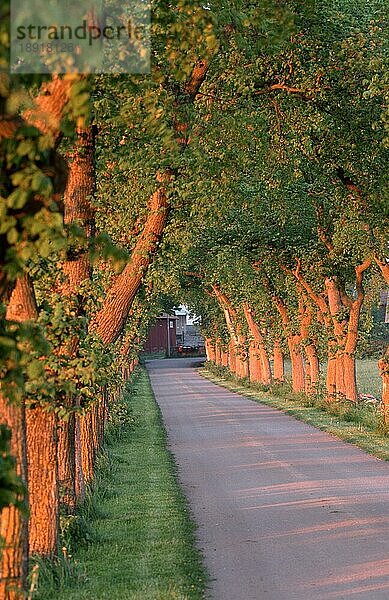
[162, 335]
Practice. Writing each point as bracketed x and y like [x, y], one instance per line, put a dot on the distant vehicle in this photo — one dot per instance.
[188, 351]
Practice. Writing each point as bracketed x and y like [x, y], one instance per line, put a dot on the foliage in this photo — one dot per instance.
[12, 490]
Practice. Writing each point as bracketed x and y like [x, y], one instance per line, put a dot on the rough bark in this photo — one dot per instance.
[312, 367]
[87, 445]
[296, 358]
[264, 369]
[47, 113]
[41, 436]
[210, 349]
[278, 363]
[218, 352]
[324, 316]
[79, 478]
[345, 312]
[242, 358]
[232, 356]
[339, 326]
[67, 471]
[383, 365]
[111, 318]
[43, 481]
[238, 360]
[255, 370]
[294, 346]
[13, 525]
[224, 357]
[354, 306]
[76, 269]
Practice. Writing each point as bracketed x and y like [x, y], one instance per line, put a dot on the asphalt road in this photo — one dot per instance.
[284, 511]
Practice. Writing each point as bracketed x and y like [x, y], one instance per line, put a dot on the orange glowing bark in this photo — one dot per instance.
[263, 369]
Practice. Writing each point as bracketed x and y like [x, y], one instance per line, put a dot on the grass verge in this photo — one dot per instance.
[142, 543]
[360, 427]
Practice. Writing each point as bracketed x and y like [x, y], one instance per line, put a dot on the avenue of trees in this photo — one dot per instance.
[245, 174]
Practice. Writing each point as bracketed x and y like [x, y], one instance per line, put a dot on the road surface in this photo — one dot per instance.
[284, 511]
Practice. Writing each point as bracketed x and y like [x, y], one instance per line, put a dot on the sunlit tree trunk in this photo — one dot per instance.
[79, 478]
[43, 481]
[218, 352]
[242, 358]
[294, 346]
[312, 368]
[383, 363]
[354, 306]
[87, 446]
[264, 370]
[41, 435]
[296, 358]
[339, 325]
[224, 358]
[45, 115]
[111, 318]
[232, 356]
[254, 363]
[210, 350]
[77, 269]
[345, 312]
[278, 363]
[324, 316]
[13, 525]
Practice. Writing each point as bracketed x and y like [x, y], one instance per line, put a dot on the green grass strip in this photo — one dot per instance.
[145, 547]
[368, 439]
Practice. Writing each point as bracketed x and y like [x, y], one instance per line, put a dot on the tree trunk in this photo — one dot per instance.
[67, 463]
[218, 354]
[254, 363]
[383, 365]
[13, 525]
[111, 318]
[355, 306]
[278, 363]
[41, 439]
[210, 350]
[79, 475]
[87, 446]
[296, 357]
[331, 371]
[232, 356]
[43, 481]
[346, 330]
[294, 341]
[237, 356]
[242, 361]
[77, 269]
[312, 374]
[339, 325]
[264, 368]
[312, 368]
